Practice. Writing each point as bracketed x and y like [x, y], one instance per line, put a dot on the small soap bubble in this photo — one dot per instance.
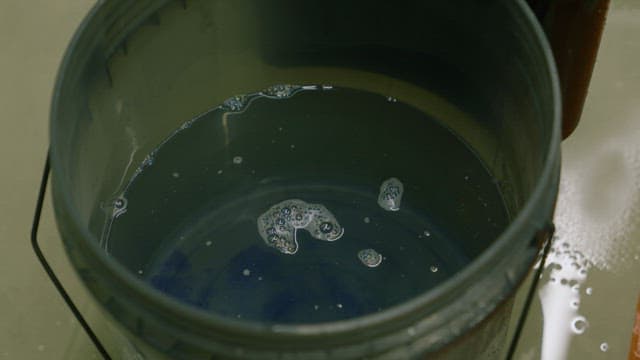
[119, 206]
[367, 220]
[390, 195]
[316, 307]
[604, 347]
[391, 99]
[579, 325]
[426, 233]
[322, 229]
[326, 227]
[292, 146]
[589, 291]
[433, 268]
[339, 306]
[370, 257]
[175, 175]
[140, 272]
[246, 272]
[208, 243]
[219, 172]
[120, 203]
[237, 160]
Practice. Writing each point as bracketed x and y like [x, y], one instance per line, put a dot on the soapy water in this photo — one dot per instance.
[390, 196]
[231, 254]
[278, 225]
[233, 105]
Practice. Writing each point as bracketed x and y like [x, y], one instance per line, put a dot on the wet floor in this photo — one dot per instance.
[586, 303]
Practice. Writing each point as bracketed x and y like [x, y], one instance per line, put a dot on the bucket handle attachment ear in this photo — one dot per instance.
[543, 239]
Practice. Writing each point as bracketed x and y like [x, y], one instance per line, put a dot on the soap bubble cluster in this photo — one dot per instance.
[187, 124]
[280, 91]
[390, 195]
[370, 257]
[278, 225]
[235, 103]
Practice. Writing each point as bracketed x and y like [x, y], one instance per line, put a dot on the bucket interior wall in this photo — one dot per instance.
[153, 70]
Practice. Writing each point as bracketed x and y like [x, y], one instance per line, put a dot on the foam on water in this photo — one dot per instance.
[278, 225]
[235, 103]
[370, 257]
[390, 195]
[283, 91]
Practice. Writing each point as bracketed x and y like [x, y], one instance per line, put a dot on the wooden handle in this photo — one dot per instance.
[574, 29]
[634, 351]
